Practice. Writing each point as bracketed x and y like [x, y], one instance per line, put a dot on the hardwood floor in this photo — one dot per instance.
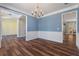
[12, 46]
[71, 42]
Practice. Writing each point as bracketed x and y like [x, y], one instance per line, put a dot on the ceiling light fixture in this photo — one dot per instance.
[37, 11]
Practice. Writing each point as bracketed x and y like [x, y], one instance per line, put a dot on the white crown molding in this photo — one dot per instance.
[52, 13]
[15, 10]
[62, 10]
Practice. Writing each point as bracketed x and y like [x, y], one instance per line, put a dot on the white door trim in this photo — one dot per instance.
[76, 22]
[26, 27]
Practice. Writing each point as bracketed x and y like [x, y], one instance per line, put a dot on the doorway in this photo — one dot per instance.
[22, 28]
[9, 27]
[9, 24]
[70, 28]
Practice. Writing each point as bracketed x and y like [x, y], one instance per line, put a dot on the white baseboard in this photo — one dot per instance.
[31, 35]
[49, 35]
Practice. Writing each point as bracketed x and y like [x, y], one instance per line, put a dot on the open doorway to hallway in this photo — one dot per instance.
[70, 28]
[13, 25]
[9, 27]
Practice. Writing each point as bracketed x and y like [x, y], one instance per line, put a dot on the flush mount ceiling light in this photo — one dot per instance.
[37, 11]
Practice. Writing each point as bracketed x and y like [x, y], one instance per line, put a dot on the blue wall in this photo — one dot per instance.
[53, 22]
[49, 23]
[32, 24]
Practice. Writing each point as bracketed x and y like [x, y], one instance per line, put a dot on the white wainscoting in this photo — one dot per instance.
[30, 35]
[53, 36]
[77, 41]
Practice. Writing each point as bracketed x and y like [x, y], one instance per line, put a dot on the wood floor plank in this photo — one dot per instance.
[62, 47]
[50, 46]
[13, 46]
[44, 49]
[35, 50]
[52, 50]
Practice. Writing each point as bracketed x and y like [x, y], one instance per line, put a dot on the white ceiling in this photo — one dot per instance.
[7, 14]
[47, 7]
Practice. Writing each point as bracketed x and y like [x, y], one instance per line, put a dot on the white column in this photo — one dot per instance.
[26, 27]
[21, 26]
[17, 27]
[0, 32]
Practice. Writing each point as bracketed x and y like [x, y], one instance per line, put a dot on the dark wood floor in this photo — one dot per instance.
[12, 46]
